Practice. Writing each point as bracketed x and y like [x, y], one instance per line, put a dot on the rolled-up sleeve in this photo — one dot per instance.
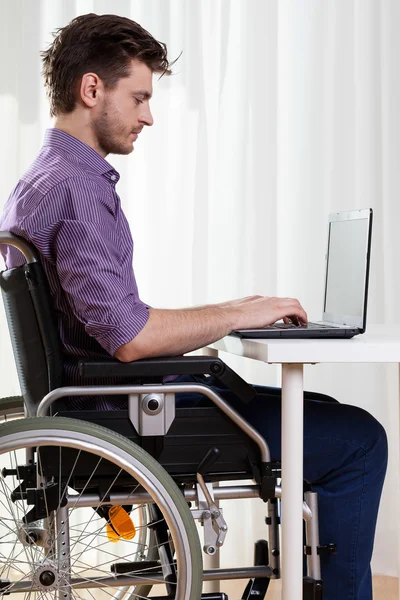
[93, 266]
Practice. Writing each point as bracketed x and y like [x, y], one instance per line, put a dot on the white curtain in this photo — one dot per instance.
[278, 113]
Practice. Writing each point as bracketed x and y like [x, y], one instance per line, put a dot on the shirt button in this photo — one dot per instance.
[113, 177]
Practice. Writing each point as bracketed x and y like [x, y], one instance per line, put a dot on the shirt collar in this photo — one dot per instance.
[84, 153]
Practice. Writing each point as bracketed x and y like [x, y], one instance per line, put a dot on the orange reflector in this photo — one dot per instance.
[120, 525]
[111, 534]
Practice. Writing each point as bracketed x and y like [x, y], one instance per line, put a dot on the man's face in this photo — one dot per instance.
[123, 112]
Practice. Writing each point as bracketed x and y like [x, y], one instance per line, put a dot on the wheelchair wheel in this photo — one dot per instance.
[11, 408]
[59, 478]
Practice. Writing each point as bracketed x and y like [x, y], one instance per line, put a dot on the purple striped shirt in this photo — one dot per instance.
[67, 207]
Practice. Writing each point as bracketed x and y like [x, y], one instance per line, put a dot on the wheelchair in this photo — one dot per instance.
[99, 504]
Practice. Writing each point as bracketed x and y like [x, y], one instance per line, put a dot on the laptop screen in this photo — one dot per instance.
[347, 268]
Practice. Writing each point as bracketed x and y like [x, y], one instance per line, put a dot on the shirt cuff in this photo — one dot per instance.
[131, 319]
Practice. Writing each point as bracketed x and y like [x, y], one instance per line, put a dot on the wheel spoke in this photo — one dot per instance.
[102, 500]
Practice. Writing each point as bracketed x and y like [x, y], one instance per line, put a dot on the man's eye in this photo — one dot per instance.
[138, 101]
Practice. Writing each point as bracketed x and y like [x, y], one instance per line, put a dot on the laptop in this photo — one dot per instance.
[344, 313]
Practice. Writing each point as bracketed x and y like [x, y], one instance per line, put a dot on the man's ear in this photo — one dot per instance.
[91, 89]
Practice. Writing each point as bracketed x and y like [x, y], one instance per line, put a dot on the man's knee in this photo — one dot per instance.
[318, 397]
[343, 439]
[371, 435]
[379, 448]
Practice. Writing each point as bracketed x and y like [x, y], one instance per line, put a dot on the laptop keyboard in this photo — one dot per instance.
[292, 326]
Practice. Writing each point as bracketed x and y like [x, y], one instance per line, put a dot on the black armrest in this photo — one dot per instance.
[171, 365]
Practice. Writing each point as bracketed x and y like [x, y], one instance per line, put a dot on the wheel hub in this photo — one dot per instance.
[33, 534]
[46, 576]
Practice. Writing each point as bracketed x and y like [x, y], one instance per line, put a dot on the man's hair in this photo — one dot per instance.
[102, 44]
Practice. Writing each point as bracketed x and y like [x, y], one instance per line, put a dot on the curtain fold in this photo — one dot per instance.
[278, 113]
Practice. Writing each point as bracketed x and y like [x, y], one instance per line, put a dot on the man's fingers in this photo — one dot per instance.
[294, 311]
[261, 311]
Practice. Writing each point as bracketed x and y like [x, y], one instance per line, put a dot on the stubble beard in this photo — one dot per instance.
[108, 132]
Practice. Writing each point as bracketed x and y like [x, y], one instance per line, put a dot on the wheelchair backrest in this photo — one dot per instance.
[32, 326]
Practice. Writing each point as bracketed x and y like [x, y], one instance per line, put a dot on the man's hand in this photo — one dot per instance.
[274, 304]
[259, 311]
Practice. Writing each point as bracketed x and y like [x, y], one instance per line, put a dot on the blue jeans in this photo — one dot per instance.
[345, 459]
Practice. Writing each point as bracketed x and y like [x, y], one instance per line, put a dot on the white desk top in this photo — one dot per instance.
[380, 343]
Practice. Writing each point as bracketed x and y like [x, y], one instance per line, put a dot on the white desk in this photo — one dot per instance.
[378, 345]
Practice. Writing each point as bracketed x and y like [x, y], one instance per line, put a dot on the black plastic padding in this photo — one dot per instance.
[171, 365]
[132, 567]
[25, 337]
[193, 432]
[210, 458]
[236, 384]
[261, 553]
[33, 332]
[45, 315]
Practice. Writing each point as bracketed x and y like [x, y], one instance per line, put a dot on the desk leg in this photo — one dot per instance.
[292, 481]
[211, 562]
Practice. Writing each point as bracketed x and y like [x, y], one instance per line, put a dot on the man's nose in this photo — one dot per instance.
[146, 117]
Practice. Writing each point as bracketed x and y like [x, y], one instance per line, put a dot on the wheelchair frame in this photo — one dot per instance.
[151, 409]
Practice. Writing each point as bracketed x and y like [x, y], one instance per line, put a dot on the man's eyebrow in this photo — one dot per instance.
[143, 93]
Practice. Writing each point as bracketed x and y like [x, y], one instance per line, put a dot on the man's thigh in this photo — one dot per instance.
[332, 431]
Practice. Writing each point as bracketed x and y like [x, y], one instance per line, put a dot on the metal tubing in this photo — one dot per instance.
[273, 537]
[220, 493]
[11, 240]
[212, 561]
[238, 573]
[312, 537]
[116, 390]
[292, 481]
[146, 579]
[307, 514]
[63, 553]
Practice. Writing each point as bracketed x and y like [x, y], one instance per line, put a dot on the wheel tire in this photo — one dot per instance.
[13, 406]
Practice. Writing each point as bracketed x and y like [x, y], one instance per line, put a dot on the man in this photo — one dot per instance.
[98, 73]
